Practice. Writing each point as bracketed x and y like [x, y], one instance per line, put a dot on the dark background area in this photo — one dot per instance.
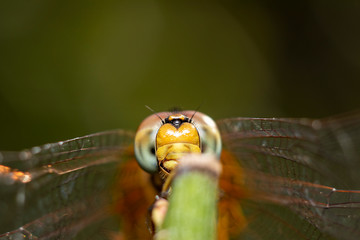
[72, 68]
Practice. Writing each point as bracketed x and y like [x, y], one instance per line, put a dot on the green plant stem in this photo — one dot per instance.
[192, 205]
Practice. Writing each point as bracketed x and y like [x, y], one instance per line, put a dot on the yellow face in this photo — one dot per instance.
[174, 139]
[162, 139]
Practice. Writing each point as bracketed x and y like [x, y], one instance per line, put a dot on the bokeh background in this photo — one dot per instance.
[70, 68]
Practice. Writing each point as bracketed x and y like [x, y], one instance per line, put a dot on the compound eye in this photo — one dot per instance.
[144, 147]
[209, 133]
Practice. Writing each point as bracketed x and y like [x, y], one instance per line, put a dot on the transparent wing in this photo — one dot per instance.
[294, 176]
[56, 190]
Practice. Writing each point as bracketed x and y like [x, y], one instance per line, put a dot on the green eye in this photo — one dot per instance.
[145, 149]
[209, 135]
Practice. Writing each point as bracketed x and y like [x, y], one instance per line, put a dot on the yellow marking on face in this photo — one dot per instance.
[176, 116]
[168, 134]
[173, 143]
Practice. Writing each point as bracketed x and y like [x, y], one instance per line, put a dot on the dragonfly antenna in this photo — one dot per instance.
[152, 110]
[196, 110]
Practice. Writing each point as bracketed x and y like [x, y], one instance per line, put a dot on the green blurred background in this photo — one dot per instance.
[71, 68]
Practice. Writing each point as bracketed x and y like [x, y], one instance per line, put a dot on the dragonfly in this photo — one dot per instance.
[282, 178]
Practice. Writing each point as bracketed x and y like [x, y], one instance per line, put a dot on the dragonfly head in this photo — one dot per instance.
[159, 144]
